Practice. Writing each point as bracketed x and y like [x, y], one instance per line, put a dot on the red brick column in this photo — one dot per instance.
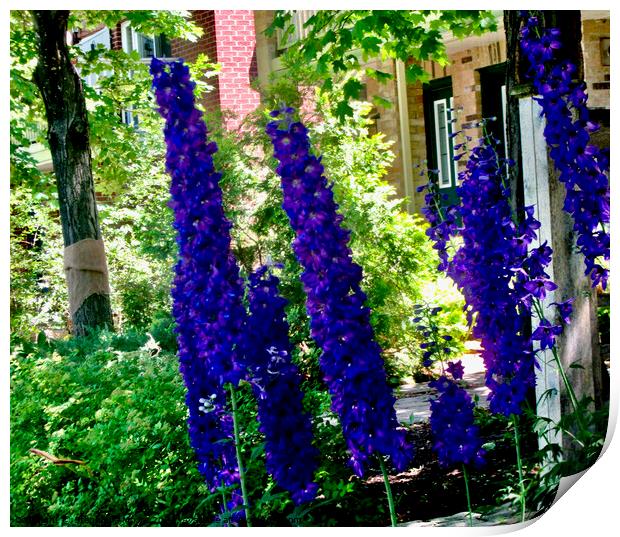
[235, 39]
[189, 50]
[229, 39]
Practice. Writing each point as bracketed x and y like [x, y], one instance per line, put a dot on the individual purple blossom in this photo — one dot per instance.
[290, 457]
[351, 360]
[583, 167]
[539, 287]
[456, 438]
[565, 309]
[456, 369]
[207, 291]
[546, 333]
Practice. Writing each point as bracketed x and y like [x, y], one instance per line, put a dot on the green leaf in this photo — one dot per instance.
[381, 101]
[415, 73]
[329, 37]
[352, 88]
[380, 76]
[371, 44]
[343, 110]
[346, 39]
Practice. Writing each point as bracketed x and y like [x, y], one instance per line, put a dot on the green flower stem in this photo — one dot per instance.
[244, 492]
[471, 520]
[388, 491]
[567, 384]
[515, 423]
[224, 502]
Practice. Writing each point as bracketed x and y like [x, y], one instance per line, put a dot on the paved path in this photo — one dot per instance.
[413, 405]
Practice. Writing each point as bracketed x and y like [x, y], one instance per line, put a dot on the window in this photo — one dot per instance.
[438, 114]
[147, 46]
[493, 96]
[102, 37]
[442, 115]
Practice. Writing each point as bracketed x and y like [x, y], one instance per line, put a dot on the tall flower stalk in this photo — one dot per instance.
[457, 440]
[583, 167]
[340, 322]
[502, 277]
[207, 291]
[496, 271]
[291, 458]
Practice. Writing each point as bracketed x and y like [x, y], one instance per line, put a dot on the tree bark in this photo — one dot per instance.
[68, 138]
[515, 88]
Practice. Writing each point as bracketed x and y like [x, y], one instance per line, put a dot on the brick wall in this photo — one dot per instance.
[116, 42]
[235, 38]
[229, 39]
[463, 69]
[206, 44]
[596, 74]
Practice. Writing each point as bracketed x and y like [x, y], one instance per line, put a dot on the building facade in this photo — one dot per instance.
[421, 117]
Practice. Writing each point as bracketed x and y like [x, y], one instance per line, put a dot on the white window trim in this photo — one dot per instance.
[124, 26]
[95, 35]
[504, 118]
[445, 179]
[91, 80]
[128, 116]
[449, 118]
[134, 41]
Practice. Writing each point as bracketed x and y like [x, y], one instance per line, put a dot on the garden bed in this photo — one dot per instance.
[426, 492]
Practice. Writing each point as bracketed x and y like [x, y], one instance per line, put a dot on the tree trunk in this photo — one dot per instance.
[68, 138]
[515, 88]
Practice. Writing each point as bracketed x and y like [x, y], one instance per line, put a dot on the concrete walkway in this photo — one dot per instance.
[413, 403]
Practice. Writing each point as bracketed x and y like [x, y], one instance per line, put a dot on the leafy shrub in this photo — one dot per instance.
[38, 288]
[117, 403]
[122, 413]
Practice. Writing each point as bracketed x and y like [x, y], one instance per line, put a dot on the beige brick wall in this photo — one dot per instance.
[596, 74]
[388, 121]
[417, 134]
[463, 69]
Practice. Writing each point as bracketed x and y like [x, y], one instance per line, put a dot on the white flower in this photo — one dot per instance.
[207, 405]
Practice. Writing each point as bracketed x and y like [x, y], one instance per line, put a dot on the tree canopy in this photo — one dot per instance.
[340, 42]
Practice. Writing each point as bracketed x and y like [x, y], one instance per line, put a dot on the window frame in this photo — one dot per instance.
[445, 177]
[441, 90]
[91, 80]
[126, 25]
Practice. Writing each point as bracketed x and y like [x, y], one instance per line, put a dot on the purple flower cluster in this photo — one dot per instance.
[442, 220]
[291, 458]
[436, 347]
[457, 439]
[340, 322]
[583, 167]
[207, 292]
[498, 275]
